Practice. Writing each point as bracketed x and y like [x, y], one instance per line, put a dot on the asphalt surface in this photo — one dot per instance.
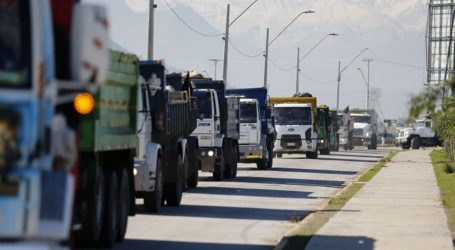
[252, 211]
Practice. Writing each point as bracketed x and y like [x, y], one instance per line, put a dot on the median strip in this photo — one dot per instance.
[299, 237]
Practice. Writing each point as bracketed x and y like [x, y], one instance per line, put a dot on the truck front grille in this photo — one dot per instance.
[358, 132]
[291, 141]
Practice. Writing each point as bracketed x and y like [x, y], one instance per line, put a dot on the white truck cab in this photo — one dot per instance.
[295, 130]
[421, 133]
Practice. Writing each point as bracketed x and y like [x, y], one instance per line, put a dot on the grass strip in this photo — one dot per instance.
[299, 237]
[444, 171]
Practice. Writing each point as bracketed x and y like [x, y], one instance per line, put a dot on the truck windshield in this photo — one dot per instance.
[204, 104]
[292, 116]
[361, 119]
[341, 120]
[248, 113]
[14, 43]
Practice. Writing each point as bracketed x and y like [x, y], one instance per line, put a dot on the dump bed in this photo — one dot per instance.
[170, 109]
[281, 100]
[229, 107]
[112, 124]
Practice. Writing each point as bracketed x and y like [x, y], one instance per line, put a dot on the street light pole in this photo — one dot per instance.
[226, 47]
[368, 60]
[151, 30]
[367, 106]
[297, 85]
[226, 38]
[266, 57]
[273, 40]
[215, 62]
[341, 72]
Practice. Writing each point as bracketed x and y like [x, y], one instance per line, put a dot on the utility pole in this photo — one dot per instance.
[368, 60]
[215, 61]
[266, 58]
[151, 29]
[338, 85]
[226, 47]
[298, 72]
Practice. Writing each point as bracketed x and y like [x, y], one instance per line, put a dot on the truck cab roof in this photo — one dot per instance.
[293, 105]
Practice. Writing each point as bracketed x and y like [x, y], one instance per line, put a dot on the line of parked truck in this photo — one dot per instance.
[85, 130]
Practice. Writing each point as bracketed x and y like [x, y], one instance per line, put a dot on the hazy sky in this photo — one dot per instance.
[394, 32]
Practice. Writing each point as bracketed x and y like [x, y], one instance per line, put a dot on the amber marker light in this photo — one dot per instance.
[84, 103]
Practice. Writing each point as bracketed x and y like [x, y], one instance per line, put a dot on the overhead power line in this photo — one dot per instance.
[189, 26]
[282, 68]
[243, 53]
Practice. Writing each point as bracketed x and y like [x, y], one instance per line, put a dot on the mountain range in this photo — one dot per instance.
[394, 32]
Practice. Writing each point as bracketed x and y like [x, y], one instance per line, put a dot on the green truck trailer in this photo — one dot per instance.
[105, 195]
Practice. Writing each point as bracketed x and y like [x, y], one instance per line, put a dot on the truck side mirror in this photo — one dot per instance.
[89, 44]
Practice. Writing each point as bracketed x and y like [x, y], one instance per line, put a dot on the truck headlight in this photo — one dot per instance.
[203, 153]
[134, 171]
[210, 153]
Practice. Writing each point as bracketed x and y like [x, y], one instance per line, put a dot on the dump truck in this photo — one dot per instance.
[67, 130]
[334, 129]
[324, 125]
[365, 123]
[296, 126]
[257, 130]
[165, 157]
[218, 128]
[346, 130]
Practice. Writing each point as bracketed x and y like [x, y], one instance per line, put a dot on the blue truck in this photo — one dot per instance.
[257, 130]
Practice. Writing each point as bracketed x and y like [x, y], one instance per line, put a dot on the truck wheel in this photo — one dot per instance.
[186, 169]
[235, 162]
[123, 205]
[325, 151]
[262, 164]
[218, 173]
[173, 190]
[193, 178]
[229, 159]
[269, 157]
[312, 155]
[415, 143]
[405, 146]
[93, 220]
[110, 221]
[279, 155]
[374, 143]
[153, 201]
[346, 147]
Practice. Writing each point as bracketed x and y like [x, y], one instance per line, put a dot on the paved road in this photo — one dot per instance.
[252, 211]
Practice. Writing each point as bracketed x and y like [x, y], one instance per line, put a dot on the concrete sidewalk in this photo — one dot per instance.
[399, 209]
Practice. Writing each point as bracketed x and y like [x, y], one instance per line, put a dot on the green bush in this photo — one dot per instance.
[444, 125]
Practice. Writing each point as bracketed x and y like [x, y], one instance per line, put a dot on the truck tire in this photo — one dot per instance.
[173, 190]
[279, 155]
[123, 205]
[218, 172]
[312, 155]
[186, 169]
[415, 143]
[325, 151]
[374, 142]
[109, 229]
[153, 201]
[262, 164]
[228, 161]
[235, 161]
[93, 220]
[405, 146]
[269, 156]
[193, 177]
